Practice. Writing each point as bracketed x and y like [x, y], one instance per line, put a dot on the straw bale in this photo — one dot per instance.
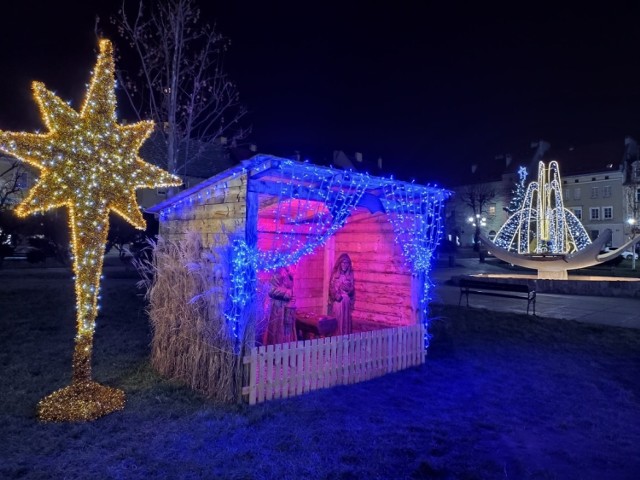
[192, 342]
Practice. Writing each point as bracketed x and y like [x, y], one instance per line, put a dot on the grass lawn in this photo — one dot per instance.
[501, 396]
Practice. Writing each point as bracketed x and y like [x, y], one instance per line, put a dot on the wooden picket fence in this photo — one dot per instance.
[291, 369]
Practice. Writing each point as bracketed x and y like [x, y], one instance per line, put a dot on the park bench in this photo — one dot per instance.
[498, 289]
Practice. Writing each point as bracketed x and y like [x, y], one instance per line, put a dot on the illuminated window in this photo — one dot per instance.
[577, 211]
[607, 213]
[594, 213]
[492, 210]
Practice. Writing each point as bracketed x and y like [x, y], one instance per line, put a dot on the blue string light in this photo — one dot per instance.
[242, 287]
[306, 205]
[416, 215]
[519, 193]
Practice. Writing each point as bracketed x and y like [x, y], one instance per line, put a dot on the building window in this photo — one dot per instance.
[638, 195]
[593, 179]
[492, 210]
[606, 191]
[594, 234]
[567, 194]
[594, 213]
[577, 211]
[577, 180]
[607, 213]
[576, 193]
[594, 192]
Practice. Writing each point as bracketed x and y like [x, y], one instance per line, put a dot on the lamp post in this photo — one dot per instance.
[477, 221]
[632, 225]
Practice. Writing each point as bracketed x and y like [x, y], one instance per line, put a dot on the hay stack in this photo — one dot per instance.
[191, 342]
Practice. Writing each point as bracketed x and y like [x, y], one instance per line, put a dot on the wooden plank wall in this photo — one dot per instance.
[307, 285]
[216, 212]
[383, 282]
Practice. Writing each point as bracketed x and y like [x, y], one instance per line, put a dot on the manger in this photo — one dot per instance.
[277, 277]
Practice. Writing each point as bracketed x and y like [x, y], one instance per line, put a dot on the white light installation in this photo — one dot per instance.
[543, 225]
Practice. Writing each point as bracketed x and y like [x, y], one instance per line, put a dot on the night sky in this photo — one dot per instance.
[430, 89]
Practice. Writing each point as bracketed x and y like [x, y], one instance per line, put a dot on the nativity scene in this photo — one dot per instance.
[320, 271]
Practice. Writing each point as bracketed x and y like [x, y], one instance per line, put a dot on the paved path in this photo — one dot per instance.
[620, 312]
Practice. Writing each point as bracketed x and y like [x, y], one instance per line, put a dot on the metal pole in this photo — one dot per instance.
[633, 249]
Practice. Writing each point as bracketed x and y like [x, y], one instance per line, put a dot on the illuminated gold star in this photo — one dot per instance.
[86, 160]
[89, 163]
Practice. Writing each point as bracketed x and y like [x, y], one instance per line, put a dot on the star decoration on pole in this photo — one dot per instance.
[89, 163]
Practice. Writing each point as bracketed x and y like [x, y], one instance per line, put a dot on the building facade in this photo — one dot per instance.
[597, 199]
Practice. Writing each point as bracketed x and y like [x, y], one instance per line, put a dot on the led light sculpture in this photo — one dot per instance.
[545, 236]
[542, 224]
[89, 164]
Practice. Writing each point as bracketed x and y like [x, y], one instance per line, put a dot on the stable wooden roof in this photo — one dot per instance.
[265, 176]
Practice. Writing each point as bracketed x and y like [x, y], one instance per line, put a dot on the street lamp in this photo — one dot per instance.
[632, 225]
[477, 221]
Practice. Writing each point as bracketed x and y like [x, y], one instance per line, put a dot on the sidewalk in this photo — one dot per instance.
[619, 312]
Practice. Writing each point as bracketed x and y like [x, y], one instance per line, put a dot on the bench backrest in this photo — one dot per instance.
[501, 286]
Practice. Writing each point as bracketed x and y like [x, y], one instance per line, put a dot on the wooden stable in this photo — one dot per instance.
[270, 209]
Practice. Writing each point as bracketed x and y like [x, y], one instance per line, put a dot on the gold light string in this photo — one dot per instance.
[88, 163]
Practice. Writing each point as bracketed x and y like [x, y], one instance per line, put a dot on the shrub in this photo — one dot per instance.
[36, 255]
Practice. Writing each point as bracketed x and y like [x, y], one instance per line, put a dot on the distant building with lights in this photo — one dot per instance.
[600, 185]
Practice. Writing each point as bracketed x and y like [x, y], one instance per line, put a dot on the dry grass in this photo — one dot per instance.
[192, 342]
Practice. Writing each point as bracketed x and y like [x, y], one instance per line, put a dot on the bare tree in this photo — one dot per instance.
[12, 175]
[180, 83]
[477, 197]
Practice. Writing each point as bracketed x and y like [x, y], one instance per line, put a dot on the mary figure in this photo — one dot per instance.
[342, 293]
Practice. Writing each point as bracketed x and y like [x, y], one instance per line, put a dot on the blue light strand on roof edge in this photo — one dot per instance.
[260, 163]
